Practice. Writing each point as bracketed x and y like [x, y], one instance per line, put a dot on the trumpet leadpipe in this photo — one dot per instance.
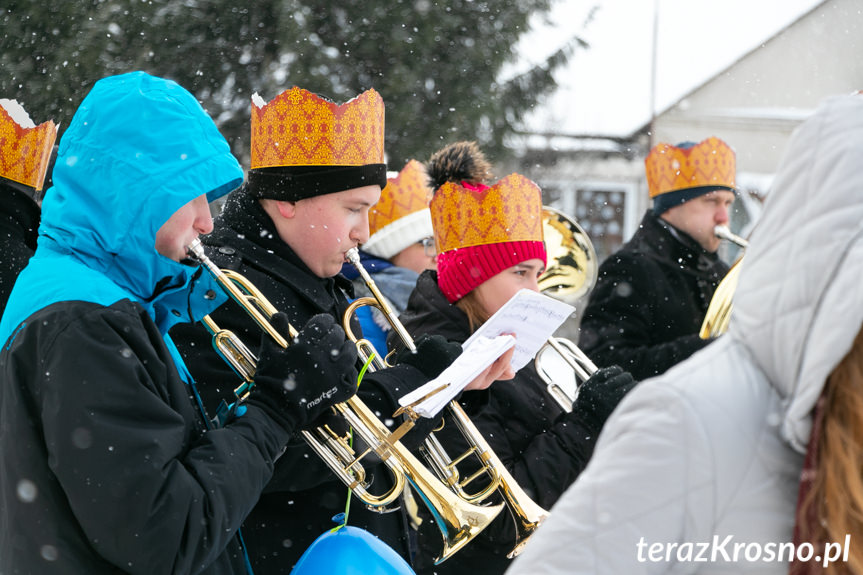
[353, 257]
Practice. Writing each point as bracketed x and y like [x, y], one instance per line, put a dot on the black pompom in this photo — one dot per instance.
[458, 162]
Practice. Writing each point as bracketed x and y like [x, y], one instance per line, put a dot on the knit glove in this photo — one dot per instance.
[599, 395]
[295, 385]
[434, 354]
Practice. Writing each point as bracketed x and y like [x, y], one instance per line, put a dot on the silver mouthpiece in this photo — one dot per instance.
[723, 233]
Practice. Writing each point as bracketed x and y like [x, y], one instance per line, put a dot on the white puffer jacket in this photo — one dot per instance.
[706, 458]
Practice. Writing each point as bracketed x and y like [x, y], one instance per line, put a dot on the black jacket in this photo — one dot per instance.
[19, 224]
[95, 364]
[649, 301]
[304, 495]
[542, 447]
[105, 466]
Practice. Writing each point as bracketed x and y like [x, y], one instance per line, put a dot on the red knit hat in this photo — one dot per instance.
[481, 230]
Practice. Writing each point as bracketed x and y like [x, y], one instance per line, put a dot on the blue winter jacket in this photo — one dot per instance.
[106, 464]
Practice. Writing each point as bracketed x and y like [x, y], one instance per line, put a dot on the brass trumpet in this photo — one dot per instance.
[526, 513]
[457, 520]
[719, 310]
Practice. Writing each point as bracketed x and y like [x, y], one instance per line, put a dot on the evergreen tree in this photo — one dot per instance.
[436, 63]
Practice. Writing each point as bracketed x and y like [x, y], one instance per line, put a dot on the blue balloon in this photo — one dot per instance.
[350, 551]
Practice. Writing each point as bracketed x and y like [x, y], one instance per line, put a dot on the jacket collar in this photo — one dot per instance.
[662, 241]
[429, 311]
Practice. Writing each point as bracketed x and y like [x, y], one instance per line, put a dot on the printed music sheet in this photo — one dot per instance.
[532, 317]
[466, 367]
[526, 322]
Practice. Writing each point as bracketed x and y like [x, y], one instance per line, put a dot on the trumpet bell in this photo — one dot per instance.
[457, 520]
[719, 310]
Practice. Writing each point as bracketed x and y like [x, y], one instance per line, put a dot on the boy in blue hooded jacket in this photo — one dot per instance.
[108, 464]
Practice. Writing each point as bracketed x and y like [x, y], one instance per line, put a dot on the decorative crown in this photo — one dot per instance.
[299, 128]
[509, 211]
[708, 163]
[404, 194]
[25, 152]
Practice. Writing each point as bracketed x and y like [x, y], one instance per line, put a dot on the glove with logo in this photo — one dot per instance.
[317, 370]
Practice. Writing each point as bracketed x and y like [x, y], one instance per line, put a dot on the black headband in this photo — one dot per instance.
[668, 200]
[292, 183]
[9, 186]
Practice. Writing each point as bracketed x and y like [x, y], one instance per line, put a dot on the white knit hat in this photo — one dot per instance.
[401, 217]
[394, 237]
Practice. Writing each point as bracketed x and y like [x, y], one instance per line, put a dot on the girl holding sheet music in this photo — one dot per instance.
[490, 245]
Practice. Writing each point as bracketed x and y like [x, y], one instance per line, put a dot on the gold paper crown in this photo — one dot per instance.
[25, 152]
[708, 163]
[509, 211]
[299, 128]
[405, 194]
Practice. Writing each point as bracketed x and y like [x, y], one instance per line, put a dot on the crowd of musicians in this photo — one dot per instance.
[184, 394]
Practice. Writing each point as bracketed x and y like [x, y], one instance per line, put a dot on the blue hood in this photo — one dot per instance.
[138, 149]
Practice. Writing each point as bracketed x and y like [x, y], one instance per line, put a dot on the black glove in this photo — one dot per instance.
[599, 395]
[434, 354]
[317, 370]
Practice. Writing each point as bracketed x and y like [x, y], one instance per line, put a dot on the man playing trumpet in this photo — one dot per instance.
[108, 464]
[317, 169]
[650, 298]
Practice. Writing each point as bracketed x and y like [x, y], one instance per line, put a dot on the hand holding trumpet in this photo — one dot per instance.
[297, 384]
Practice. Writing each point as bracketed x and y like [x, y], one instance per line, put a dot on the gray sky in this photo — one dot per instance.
[607, 89]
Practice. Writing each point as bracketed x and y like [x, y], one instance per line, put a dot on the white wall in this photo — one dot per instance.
[756, 103]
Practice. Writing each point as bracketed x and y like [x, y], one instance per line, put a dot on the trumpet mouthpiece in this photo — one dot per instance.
[723, 233]
[352, 256]
[195, 249]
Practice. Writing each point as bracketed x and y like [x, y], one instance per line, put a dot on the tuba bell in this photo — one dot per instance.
[572, 267]
[457, 520]
[719, 310]
[526, 513]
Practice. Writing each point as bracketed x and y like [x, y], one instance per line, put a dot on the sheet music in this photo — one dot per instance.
[533, 318]
[466, 367]
[530, 316]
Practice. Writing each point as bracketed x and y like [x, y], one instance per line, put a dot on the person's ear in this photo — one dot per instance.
[286, 209]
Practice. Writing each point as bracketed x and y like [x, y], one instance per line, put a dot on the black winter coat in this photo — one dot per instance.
[649, 301]
[299, 503]
[543, 448]
[151, 468]
[19, 225]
